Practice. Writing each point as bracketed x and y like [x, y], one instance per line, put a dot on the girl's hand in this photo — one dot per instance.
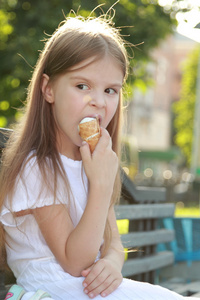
[101, 278]
[101, 166]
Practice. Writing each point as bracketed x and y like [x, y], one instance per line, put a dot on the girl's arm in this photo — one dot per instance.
[105, 276]
[76, 248]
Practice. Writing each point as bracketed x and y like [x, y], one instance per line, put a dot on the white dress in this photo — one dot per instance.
[31, 260]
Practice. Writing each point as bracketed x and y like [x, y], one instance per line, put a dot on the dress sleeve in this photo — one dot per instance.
[29, 193]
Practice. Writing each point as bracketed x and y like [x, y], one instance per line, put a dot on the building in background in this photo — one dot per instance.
[150, 113]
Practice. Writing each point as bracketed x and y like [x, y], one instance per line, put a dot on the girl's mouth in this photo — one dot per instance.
[96, 116]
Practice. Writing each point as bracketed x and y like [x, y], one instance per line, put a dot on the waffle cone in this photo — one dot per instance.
[93, 141]
[90, 132]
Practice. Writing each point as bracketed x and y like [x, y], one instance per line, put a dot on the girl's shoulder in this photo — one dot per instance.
[29, 189]
[30, 165]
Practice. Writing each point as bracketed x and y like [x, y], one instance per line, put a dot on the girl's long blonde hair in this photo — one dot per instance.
[75, 40]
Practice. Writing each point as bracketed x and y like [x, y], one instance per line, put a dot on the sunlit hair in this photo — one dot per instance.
[75, 40]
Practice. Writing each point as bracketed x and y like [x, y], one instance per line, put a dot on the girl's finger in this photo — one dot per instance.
[85, 273]
[105, 288]
[85, 151]
[111, 288]
[104, 140]
[95, 274]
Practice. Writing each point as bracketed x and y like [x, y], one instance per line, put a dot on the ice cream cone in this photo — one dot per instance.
[92, 141]
[89, 131]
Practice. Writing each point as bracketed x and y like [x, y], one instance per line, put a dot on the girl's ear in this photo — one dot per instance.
[47, 89]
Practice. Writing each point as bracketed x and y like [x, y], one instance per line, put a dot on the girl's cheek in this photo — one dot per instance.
[87, 99]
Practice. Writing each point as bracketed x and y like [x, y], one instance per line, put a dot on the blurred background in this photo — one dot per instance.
[161, 105]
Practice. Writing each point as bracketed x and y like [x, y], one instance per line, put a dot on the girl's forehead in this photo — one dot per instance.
[97, 61]
[104, 71]
[83, 64]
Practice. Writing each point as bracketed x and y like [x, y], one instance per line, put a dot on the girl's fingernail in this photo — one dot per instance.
[91, 295]
[86, 291]
[103, 294]
[84, 284]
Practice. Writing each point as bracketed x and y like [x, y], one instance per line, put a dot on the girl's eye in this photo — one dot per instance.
[111, 91]
[82, 86]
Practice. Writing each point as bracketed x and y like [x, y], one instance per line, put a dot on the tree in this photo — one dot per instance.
[184, 108]
[23, 25]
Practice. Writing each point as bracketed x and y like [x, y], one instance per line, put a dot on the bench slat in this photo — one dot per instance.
[182, 270]
[144, 211]
[139, 265]
[138, 239]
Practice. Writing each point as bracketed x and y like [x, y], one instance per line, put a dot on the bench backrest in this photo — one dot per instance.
[148, 207]
[144, 236]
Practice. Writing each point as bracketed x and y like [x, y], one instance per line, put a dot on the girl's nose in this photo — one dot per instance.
[98, 100]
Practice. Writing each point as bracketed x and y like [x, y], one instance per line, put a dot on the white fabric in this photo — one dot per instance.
[31, 295]
[28, 255]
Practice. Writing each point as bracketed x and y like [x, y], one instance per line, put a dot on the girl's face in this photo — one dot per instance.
[88, 90]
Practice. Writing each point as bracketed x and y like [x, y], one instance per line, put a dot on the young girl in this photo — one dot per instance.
[57, 199]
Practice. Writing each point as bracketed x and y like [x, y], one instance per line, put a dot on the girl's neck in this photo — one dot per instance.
[73, 154]
[68, 149]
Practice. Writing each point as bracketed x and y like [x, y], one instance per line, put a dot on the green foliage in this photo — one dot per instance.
[184, 108]
[24, 24]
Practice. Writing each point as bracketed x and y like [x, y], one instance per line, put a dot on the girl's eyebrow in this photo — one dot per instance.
[115, 84]
[79, 78]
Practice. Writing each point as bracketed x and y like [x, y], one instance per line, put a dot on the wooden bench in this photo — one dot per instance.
[143, 208]
[143, 237]
[148, 214]
[184, 276]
